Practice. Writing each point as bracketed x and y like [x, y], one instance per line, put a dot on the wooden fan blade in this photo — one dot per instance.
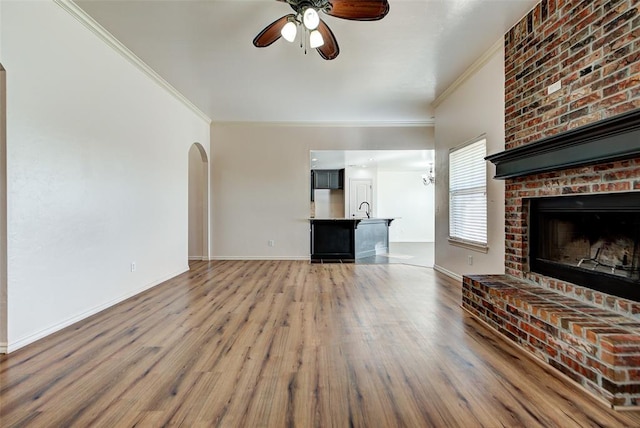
[359, 10]
[330, 49]
[271, 33]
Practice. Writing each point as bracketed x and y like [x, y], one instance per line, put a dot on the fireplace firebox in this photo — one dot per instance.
[588, 240]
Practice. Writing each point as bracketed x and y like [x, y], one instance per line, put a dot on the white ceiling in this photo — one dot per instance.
[388, 71]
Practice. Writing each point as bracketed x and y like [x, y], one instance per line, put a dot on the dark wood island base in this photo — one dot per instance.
[348, 239]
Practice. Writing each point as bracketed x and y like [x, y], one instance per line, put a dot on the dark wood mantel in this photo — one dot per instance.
[611, 139]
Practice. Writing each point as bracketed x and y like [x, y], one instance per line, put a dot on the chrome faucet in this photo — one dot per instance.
[368, 208]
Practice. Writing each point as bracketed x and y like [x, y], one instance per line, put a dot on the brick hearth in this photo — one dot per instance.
[597, 348]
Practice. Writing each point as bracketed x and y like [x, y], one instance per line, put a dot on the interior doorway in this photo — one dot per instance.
[198, 203]
[3, 213]
[360, 198]
[398, 184]
[400, 188]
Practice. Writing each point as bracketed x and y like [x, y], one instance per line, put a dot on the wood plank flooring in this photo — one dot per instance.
[286, 343]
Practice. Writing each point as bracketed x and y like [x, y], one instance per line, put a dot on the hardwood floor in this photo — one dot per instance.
[277, 343]
[408, 253]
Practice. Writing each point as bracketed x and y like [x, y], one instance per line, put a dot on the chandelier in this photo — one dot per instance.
[429, 178]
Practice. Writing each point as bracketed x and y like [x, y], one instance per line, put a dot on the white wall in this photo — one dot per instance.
[260, 181]
[329, 203]
[474, 108]
[402, 195]
[97, 172]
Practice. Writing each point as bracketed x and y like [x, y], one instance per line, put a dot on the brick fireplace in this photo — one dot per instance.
[568, 144]
[593, 48]
[571, 295]
[598, 161]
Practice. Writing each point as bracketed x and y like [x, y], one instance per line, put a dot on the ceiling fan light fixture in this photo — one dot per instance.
[306, 18]
[310, 18]
[289, 31]
[315, 39]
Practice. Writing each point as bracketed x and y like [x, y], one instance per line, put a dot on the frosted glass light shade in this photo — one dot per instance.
[315, 39]
[311, 19]
[289, 31]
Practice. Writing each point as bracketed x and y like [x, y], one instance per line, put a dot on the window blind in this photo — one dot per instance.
[468, 193]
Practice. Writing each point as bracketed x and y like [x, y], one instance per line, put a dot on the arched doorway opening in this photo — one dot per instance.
[3, 212]
[198, 203]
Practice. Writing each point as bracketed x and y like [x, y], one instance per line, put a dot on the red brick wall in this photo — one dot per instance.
[592, 46]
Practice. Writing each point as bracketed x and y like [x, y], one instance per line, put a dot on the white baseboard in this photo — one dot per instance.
[302, 258]
[447, 272]
[20, 343]
[3, 347]
[198, 259]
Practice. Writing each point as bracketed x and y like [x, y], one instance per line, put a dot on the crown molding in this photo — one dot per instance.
[74, 10]
[329, 124]
[473, 69]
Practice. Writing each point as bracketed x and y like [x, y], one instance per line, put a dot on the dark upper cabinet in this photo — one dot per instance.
[328, 178]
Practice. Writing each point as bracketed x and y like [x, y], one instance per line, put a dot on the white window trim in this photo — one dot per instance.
[474, 246]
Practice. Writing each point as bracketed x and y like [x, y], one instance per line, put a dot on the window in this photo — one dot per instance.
[468, 194]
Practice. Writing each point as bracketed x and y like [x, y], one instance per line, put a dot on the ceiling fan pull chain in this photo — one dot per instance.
[301, 36]
[305, 40]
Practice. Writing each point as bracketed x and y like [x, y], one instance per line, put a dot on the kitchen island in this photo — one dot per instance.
[348, 239]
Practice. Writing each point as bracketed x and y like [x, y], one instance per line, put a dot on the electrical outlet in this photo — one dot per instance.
[470, 260]
[554, 87]
[272, 243]
[133, 266]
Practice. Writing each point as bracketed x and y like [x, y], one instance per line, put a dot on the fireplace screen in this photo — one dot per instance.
[588, 240]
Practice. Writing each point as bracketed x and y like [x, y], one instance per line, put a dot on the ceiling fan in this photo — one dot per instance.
[307, 18]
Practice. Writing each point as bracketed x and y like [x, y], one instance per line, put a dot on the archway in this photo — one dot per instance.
[198, 203]
[3, 212]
